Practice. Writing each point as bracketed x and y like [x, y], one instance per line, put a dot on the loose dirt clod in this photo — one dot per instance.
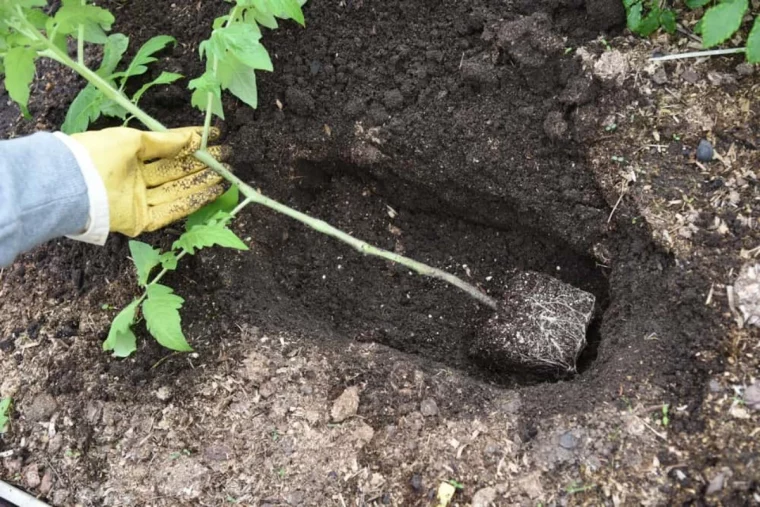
[346, 405]
[541, 326]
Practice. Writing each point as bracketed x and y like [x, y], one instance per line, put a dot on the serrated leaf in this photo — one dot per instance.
[95, 20]
[668, 21]
[161, 312]
[19, 73]
[144, 56]
[85, 109]
[169, 260]
[696, 4]
[145, 258]
[163, 78]
[121, 340]
[112, 108]
[206, 235]
[239, 80]
[753, 42]
[201, 87]
[262, 17]
[113, 51]
[722, 21]
[225, 202]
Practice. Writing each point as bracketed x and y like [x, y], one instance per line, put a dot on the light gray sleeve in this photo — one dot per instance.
[43, 194]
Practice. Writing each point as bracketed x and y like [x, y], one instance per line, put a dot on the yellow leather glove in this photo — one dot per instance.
[151, 178]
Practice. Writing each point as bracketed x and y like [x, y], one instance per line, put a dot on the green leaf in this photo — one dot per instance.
[95, 20]
[169, 260]
[201, 87]
[163, 78]
[262, 17]
[206, 235]
[5, 406]
[722, 21]
[85, 109]
[226, 202]
[112, 108]
[634, 17]
[19, 73]
[696, 4]
[290, 9]
[753, 42]
[144, 56]
[239, 80]
[121, 340]
[668, 21]
[113, 51]
[145, 258]
[649, 24]
[161, 312]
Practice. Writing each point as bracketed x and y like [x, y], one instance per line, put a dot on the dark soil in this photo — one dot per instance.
[452, 132]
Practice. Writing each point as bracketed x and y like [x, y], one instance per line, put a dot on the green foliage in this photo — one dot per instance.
[159, 304]
[121, 340]
[234, 52]
[91, 104]
[21, 43]
[161, 312]
[645, 17]
[720, 21]
[5, 407]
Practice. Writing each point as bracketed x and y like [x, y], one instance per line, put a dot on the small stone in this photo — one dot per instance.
[704, 151]
[294, 498]
[31, 476]
[429, 407]
[55, 444]
[716, 484]
[267, 389]
[164, 393]
[745, 69]
[42, 408]
[690, 76]
[363, 434]
[61, 497]
[315, 67]
[660, 76]
[393, 100]
[752, 396]
[346, 405]
[306, 389]
[714, 386]
[568, 441]
[483, 497]
[416, 482]
[738, 412]
[47, 482]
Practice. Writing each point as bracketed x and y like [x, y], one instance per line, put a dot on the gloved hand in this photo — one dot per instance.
[151, 178]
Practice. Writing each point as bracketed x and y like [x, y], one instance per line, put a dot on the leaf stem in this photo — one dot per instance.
[254, 195]
[210, 99]
[698, 54]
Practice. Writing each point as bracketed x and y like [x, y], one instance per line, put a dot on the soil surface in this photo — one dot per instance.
[480, 137]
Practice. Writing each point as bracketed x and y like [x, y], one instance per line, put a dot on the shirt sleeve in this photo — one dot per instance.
[43, 194]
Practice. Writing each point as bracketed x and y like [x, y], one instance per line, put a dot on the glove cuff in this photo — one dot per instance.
[99, 220]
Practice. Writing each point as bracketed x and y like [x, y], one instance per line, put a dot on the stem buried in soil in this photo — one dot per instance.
[251, 194]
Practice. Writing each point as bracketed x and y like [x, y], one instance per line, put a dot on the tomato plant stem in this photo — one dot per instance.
[253, 195]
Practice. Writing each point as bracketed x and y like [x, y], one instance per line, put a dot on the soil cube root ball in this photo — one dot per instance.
[541, 326]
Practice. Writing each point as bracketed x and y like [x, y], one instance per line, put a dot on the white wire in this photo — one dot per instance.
[18, 497]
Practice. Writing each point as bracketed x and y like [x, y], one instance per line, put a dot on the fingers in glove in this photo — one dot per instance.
[173, 143]
[182, 187]
[166, 170]
[165, 214]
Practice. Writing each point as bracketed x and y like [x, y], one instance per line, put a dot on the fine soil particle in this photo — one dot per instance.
[455, 133]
